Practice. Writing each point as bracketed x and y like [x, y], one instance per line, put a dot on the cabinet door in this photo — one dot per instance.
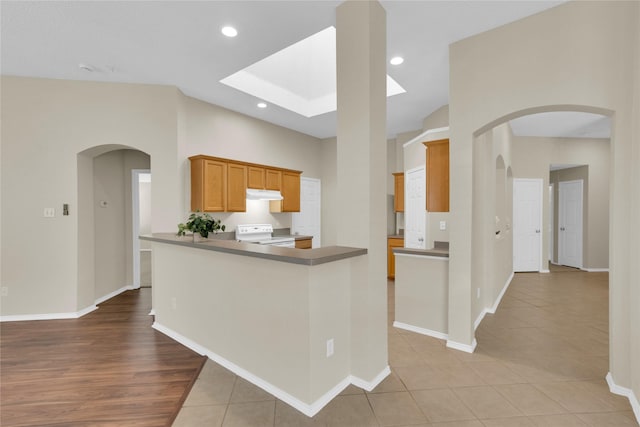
[273, 179]
[255, 177]
[290, 192]
[208, 185]
[303, 244]
[438, 176]
[391, 259]
[398, 201]
[236, 187]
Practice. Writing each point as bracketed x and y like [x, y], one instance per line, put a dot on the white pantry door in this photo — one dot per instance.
[570, 223]
[415, 213]
[307, 221]
[527, 224]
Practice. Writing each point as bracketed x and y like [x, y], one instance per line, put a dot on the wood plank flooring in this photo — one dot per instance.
[108, 368]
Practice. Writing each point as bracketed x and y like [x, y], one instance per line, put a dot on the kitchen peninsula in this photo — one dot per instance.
[278, 317]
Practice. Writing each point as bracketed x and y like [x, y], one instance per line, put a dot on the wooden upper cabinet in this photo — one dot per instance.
[255, 177]
[236, 187]
[291, 192]
[220, 185]
[273, 179]
[438, 175]
[208, 185]
[398, 188]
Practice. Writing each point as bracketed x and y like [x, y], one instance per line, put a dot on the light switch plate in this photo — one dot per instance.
[443, 225]
[49, 212]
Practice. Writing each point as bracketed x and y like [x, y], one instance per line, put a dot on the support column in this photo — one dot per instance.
[361, 177]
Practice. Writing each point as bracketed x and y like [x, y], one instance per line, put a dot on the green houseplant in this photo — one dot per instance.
[200, 223]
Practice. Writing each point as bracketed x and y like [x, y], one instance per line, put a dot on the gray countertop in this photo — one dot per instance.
[444, 253]
[441, 249]
[291, 255]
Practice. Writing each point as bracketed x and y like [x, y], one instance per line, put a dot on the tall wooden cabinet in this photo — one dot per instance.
[438, 175]
[398, 188]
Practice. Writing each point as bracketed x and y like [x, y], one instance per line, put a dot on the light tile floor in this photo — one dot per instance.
[541, 361]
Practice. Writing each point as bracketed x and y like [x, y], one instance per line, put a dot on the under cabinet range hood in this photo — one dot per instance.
[253, 194]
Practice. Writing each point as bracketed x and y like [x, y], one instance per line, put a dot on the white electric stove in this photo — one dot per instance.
[262, 234]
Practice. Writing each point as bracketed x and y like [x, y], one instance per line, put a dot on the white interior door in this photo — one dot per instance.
[415, 213]
[527, 224]
[570, 223]
[308, 221]
[141, 224]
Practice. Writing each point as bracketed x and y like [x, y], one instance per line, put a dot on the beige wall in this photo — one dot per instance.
[113, 222]
[330, 209]
[215, 131]
[584, 62]
[46, 124]
[438, 119]
[532, 157]
[54, 128]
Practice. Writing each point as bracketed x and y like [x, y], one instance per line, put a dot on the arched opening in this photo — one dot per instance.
[105, 221]
[554, 329]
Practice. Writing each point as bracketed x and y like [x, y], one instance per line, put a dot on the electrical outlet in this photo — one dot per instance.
[443, 225]
[49, 212]
[174, 303]
[478, 293]
[4, 291]
[330, 347]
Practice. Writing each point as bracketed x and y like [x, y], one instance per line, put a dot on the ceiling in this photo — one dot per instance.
[179, 43]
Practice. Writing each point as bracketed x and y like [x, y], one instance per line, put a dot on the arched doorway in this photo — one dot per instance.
[105, 230]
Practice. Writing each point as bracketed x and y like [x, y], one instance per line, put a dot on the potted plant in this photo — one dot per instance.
[201, 224]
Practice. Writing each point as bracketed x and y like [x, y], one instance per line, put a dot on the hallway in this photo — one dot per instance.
[541, 360]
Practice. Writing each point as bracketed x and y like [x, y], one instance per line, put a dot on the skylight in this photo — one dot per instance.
[300, 78]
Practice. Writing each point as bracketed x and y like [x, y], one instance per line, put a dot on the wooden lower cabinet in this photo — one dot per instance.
[303, 244]
[392, 242]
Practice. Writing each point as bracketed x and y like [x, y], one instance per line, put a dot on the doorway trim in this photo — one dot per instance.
[135, 223]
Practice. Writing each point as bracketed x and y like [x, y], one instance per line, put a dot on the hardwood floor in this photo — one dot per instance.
[108, 368]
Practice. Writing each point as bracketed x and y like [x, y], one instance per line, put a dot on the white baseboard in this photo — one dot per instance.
[48, 316]
[626, 392]
[596, 270]
[152, 312]
[60, 316]
[496, 303]
[308, 409]
[370, 385]
[544, 271]
[463, 347]
[419, 330]
[479, 318]
[113, 294]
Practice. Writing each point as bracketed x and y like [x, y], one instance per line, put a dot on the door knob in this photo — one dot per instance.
[537, 231]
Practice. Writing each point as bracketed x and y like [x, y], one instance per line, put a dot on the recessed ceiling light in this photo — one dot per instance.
[397, 60]
[229, 31]
[262, 105]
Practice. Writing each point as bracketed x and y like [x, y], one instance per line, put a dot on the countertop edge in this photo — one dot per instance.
[422, 252]
[309, 257]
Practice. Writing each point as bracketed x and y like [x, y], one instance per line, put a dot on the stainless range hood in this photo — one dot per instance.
[253, 194]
